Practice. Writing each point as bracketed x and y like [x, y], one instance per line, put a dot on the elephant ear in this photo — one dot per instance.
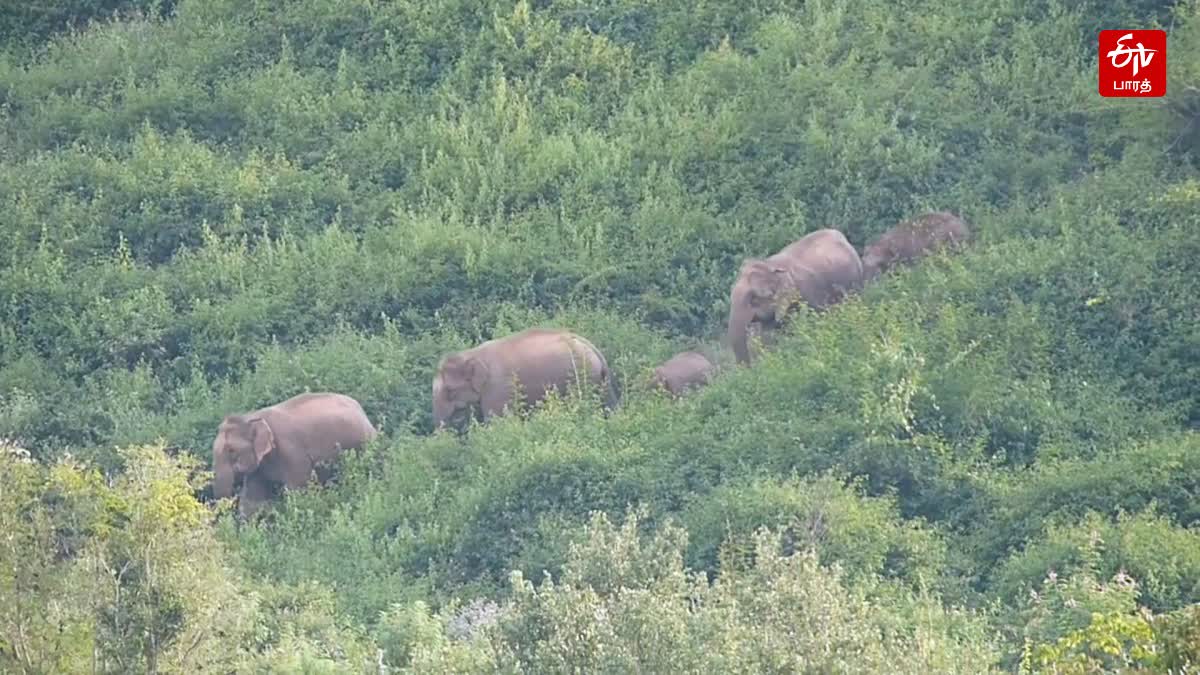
[474, 373]
[264, 438]
[465, 371]
[766, 283]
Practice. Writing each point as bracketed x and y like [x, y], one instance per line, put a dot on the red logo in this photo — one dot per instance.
[1133, 63]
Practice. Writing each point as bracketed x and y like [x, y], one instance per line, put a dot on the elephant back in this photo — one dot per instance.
[920, 236]
[683, 371]
[542, 358]
[606, 376]
[330, 416]
[824, 267]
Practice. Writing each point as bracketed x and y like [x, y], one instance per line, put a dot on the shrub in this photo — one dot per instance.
[626, 602]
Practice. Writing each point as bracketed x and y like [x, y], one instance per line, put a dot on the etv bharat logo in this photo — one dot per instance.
[1133, 63]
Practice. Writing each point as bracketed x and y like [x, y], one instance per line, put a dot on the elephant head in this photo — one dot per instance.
[756, 296]
[458, 389]
[913, 239]
[876, 259]
[241, 445]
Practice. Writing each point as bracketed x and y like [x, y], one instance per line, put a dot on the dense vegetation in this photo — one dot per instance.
[986, 462]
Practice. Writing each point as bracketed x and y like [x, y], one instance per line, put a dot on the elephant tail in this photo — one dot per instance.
[612, 392]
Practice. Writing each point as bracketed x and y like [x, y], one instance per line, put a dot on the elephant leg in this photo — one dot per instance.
[255, 493]
[494, 402]
[765, 338]
[297, 470]
[324, 471]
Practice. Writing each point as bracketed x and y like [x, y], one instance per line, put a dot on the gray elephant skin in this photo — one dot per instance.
[481, 382]
[283, 444]
[912, 240]
[683, 372]
[820, 269]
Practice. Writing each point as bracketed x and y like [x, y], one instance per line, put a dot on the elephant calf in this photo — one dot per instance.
[819, 269]
[482, 381]
[682, 372]
[282, 444]
[912, 240]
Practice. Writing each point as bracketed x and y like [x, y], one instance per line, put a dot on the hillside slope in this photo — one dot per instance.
[217, 205]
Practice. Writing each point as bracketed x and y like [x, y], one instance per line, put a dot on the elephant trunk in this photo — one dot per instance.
[870, 269]
[447, 416]
[441, 408]
[222, 481]
[739, 324]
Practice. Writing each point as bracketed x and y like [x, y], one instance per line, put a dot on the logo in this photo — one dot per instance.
[1133, 63]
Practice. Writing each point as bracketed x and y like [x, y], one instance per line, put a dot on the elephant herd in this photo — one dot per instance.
[283, 445]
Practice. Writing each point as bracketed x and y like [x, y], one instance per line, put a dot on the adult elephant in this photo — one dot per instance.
[683, 372]
[283, 444]
[482, 381]
[913, 239]
[818, 269]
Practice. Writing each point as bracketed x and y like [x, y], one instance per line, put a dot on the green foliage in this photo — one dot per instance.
[128, 576]
[1062, 605]
[625, 603]
[863, 536]
[1121, 642]
[212, 205]
[29, 23]
[1169, 124]
[1111, 643]
[1179, 634]
[121, 577]
[1163, 557]
[1064, 489]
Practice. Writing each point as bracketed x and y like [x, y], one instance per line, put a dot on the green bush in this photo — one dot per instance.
[862, 536]
[1062, 491]
[30, 23]
[1163, 558]
[212, 205]
[627, 603]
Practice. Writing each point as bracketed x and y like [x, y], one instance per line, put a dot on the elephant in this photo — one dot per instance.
[820, 269]
[481, 382]
[283, 444]
[913, 239]
[683, 372]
